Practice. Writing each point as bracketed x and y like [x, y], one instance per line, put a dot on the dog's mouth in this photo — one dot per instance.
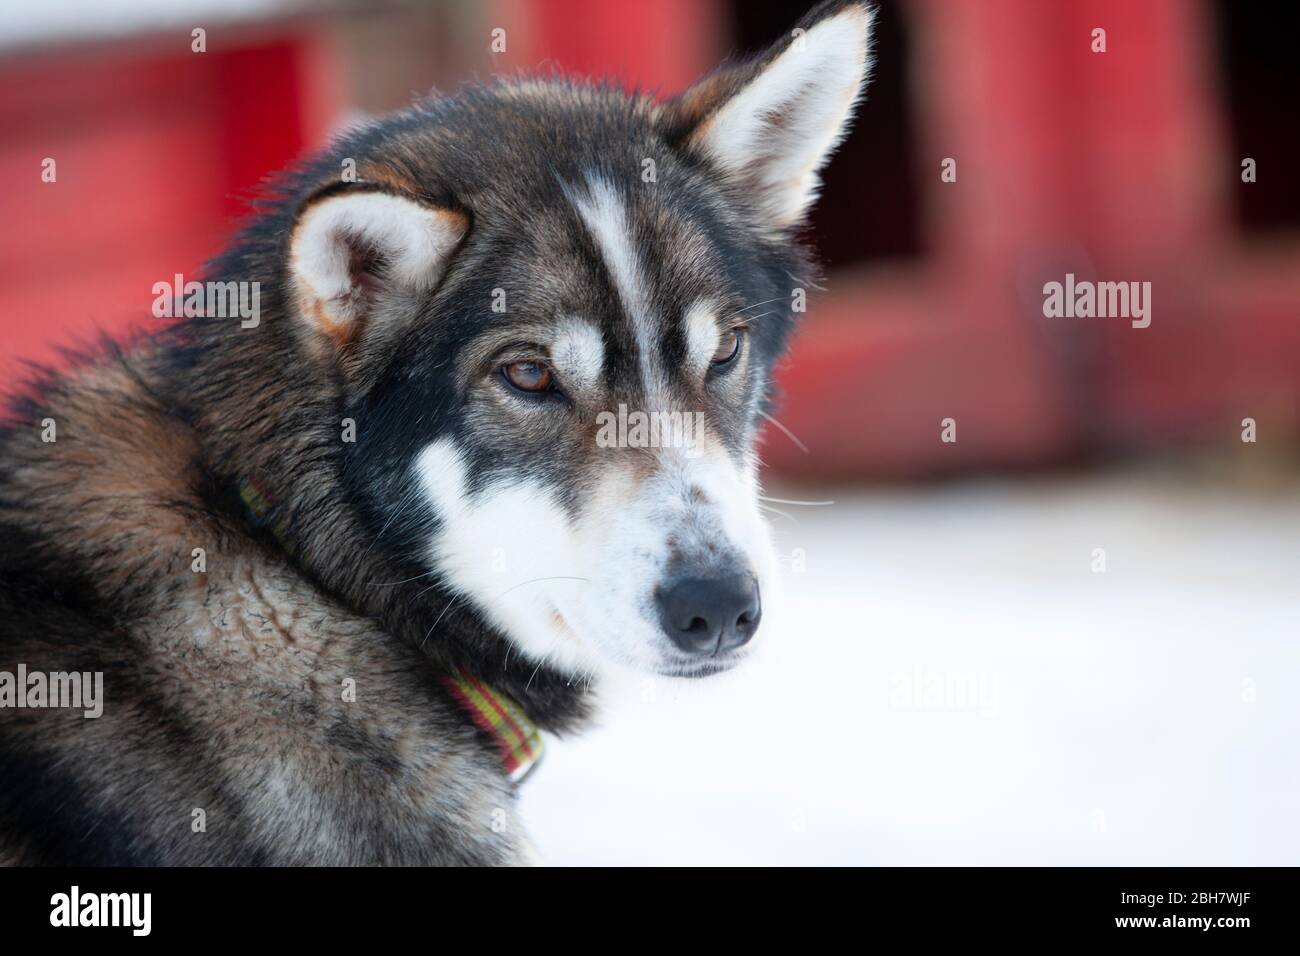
[698, 669]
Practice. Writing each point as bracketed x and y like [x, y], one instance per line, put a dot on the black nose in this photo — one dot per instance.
[705, 616]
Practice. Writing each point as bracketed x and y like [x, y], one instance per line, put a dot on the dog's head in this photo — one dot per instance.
[554, 311]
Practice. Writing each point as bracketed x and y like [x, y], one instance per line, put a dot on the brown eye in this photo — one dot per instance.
[728, 348]
[528, 376]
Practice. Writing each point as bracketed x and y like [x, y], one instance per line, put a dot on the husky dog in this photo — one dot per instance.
[336, 566]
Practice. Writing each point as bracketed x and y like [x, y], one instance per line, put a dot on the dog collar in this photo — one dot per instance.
[517, 739]
[262, 513]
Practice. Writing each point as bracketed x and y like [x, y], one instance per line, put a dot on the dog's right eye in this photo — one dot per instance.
[532, 377]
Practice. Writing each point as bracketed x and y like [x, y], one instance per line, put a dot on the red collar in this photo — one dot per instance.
[517, 738]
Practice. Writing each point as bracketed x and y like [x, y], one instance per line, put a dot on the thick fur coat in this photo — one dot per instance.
[367, 408]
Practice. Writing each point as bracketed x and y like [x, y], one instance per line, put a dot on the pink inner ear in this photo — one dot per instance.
[366, 266]
[774, 122]
[342, 316]
[349, 250]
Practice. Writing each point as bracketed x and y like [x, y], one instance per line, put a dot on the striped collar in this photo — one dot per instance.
[261, 510]
[517, 739]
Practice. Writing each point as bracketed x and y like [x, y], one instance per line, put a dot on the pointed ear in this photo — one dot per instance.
[772, 122]
[356, 253]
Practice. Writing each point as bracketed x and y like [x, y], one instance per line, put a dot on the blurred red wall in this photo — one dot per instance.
[156, 151]
[1113, 166]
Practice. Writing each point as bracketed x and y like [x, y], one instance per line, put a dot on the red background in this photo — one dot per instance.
[1116, 166]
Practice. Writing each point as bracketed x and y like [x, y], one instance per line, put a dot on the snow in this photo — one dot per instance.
[948, 681]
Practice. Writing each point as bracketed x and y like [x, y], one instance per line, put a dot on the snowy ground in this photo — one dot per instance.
[949, 681]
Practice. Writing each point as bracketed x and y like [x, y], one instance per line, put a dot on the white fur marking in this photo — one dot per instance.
[578, 353]
[606, 219]
[509, 548]
[702, 335]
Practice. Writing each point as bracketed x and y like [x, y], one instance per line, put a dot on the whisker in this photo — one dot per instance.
[791, 501]
[558, 577]
[428, 589]
[531, 676]
[807, 282]
[408, 499]
[777, 511]
[788, 434]
[455, 604]
[445, 611]
[390, 584]
[753, 305]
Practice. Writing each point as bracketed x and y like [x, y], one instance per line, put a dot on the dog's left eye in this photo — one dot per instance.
[728, 349]
[533, 377]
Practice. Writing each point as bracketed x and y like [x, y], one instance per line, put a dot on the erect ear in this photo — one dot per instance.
[354, 253]
[772, 122]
